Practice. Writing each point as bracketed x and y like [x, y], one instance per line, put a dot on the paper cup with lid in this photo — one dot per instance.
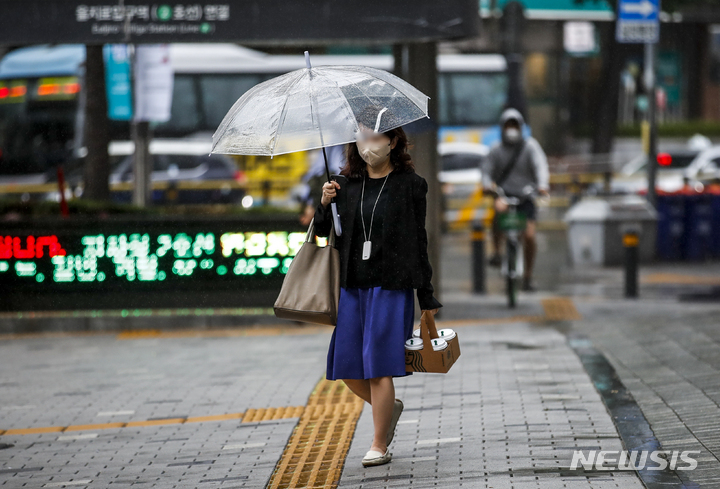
[414, 344]
[438, 344]
[447, 334]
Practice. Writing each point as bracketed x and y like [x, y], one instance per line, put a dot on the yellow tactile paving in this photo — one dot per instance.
[255, 415]
[315, 455]
[560, 309]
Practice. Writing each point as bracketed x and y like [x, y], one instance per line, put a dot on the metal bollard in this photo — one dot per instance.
[266, 185]
[478, 253]
[632, 255]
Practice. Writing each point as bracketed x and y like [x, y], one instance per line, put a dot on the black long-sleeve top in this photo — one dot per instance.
[403, 245]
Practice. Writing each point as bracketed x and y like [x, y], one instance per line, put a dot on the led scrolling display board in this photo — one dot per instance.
[197, 256]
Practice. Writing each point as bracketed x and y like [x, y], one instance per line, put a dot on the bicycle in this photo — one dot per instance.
[512, 222]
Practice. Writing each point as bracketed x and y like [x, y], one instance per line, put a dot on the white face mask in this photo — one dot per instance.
[374, 153]
[512, 134]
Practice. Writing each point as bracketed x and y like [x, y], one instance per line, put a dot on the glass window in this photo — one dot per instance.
[220, 92]
[471, 98]
[184, 114]
[461, 161]
[35, 135]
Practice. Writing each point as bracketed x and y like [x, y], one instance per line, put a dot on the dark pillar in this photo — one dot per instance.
[512, 24]
[96, 137]
[415, 63]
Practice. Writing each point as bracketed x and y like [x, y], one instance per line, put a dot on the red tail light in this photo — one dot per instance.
[664, 159]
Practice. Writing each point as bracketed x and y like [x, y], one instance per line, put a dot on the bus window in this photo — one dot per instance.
[184, 114]
[220, 92]
[471, 99]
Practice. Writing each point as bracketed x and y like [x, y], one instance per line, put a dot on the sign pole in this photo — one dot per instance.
[649, 80]
[638, 21]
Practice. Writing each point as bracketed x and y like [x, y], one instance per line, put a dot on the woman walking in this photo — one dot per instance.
[383, 257]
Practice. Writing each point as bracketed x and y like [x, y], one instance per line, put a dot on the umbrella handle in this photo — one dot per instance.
[307, 60]
[336, 219]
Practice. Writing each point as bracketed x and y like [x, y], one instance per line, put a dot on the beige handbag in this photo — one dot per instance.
[311, 289]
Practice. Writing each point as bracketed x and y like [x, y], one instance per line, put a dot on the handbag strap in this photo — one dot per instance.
[310, 235]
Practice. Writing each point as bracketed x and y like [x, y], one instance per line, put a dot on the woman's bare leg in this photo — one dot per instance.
[360, 387]
[382, 393]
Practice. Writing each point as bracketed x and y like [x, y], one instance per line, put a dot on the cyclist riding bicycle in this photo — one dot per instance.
[513, 164]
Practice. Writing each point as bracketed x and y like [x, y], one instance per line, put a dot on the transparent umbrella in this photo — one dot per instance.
[317, 107]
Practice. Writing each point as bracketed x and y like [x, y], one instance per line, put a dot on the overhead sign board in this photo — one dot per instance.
[297, 22]
[638, 21]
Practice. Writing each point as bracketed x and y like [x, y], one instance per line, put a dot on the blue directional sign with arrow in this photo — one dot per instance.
[638, 21]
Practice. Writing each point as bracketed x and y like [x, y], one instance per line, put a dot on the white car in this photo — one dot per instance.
[704, 166]
[632, 177]
[461, 162]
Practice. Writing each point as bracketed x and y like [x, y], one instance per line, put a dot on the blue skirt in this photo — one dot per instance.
[369, 339]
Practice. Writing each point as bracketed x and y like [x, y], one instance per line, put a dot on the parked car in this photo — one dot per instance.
[670, 176]
[704, 166]
[174, 161]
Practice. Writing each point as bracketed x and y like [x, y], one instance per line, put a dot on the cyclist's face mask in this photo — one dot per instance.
[512, 134]
[374, 151]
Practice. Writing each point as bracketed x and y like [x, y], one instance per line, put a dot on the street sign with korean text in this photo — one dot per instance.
[638, 21]
[296, 22]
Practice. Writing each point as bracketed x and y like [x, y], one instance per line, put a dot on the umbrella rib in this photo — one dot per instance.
[283, 114]
[398, 89]
[361, 91]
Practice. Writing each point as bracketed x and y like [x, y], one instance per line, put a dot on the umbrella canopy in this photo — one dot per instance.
[317, 107]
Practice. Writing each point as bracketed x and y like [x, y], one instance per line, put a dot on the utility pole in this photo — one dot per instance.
[140, 132]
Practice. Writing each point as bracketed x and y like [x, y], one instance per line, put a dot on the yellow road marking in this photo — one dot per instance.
[676, 278]
[32, 431]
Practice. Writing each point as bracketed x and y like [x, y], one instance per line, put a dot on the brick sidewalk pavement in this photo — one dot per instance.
[509, 414]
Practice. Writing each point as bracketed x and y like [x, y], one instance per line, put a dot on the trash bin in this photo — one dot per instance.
[698, 243]
[596, 224]
[671, 226]
[714, 191]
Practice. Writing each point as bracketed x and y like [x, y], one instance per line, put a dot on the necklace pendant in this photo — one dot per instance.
[366, 250]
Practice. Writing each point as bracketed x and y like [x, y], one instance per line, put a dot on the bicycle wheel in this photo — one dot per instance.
[511, 284]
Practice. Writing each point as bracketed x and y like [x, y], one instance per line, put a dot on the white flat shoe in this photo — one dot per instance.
[373, 457]
[397, 411]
